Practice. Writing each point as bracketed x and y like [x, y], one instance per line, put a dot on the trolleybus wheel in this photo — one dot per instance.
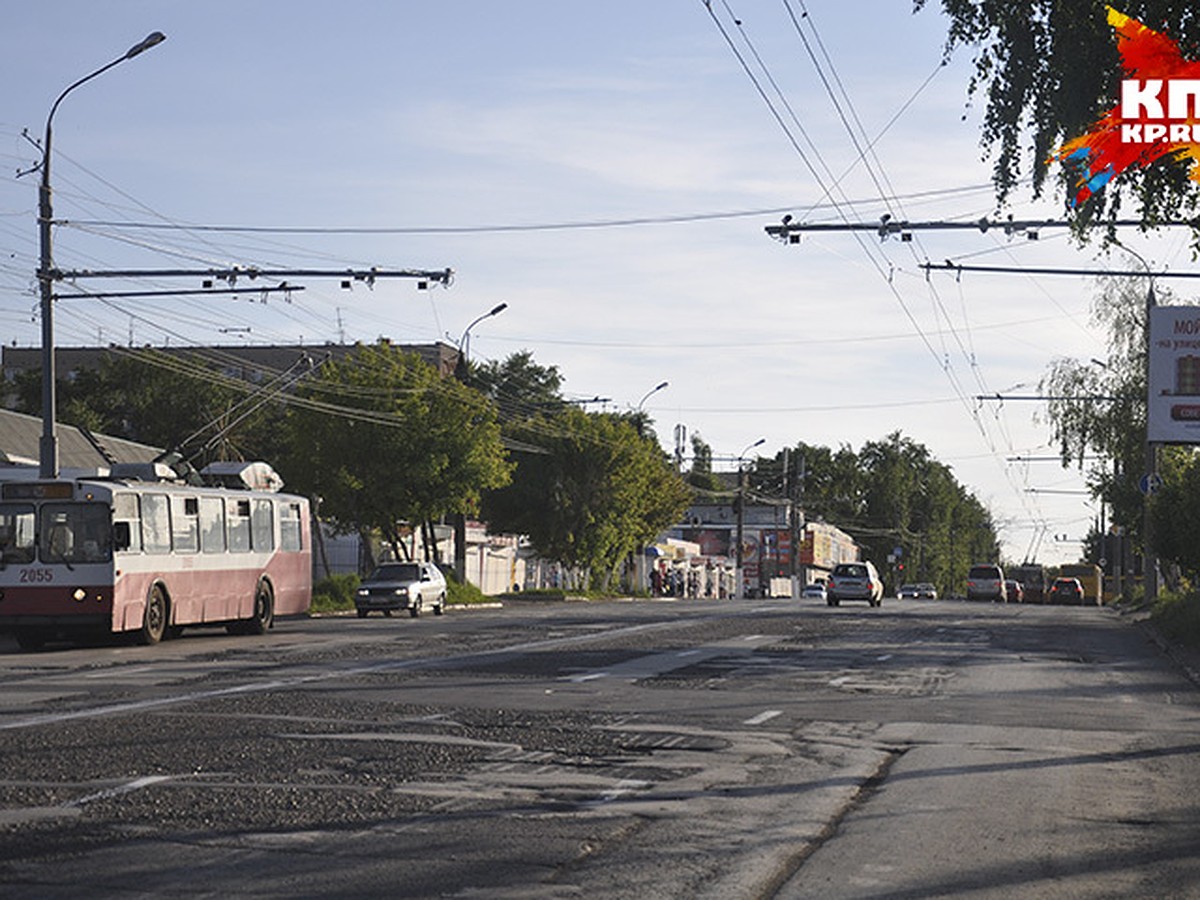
[154, 619]
[30, 639]
[263, 615]
[264, 610]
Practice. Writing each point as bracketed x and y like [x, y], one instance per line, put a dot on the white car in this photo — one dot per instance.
[814, 591]
[414, 586]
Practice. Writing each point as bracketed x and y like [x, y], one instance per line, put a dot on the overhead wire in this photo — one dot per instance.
[885, 195]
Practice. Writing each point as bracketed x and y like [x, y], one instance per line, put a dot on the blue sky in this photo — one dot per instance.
[607, 170]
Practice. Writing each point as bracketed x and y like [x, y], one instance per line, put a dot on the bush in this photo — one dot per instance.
[335, 593]
[1177, 616]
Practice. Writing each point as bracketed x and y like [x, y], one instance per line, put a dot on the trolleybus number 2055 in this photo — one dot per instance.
[122, 554]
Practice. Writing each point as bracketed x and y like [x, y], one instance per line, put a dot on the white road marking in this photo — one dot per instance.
[136, 785]
[590, 676]
[764, 716]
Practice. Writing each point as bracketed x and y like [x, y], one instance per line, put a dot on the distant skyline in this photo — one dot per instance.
[608, 171]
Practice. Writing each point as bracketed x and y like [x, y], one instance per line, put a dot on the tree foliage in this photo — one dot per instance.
[1048, 69]
[595, 491]
[383, 439]
[1175, 512]
[1098, 411]
[890, 494]
[701, 474]
[518, 385]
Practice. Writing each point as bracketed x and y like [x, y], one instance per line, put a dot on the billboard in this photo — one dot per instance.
[1173, 405]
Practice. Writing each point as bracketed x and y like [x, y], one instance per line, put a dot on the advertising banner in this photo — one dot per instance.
[1174, 383]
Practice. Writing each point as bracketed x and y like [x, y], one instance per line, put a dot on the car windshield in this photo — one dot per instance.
[397, 572]
[984, 572]
[852, 571]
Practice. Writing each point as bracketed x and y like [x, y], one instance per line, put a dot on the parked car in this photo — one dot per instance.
[854, 581]
[986, 582]
[414, 586]
[1014, 591]
[814, 591]
[1066, 590]
[926, 591]
[908, 592]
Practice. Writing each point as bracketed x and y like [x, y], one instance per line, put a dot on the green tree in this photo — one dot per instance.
[892, 493]
[383, 439]
[701, 474]
[1175, 512]
[1049, 69]
[518, 385]
[594, 492]
[1097, 415]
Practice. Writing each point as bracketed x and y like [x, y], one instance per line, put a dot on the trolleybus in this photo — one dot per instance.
[140, 551]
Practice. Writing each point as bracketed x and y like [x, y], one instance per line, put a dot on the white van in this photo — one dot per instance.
[854, 581]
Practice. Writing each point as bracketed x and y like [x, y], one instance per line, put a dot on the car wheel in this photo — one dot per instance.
[415, 609]
[362, 613]
[441, 606]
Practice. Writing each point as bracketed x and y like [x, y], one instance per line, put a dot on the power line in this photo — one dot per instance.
[949, 266]
[789, 231]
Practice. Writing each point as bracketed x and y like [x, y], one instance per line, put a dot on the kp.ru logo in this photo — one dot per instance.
[1158, 114]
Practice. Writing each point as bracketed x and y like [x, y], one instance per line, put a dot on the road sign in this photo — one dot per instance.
[1149, 484]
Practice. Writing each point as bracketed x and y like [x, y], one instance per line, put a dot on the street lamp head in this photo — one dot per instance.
[665, 384]
[498, 308]
[153, 39]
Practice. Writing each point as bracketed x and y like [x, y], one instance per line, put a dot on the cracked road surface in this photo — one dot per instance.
[746, 749]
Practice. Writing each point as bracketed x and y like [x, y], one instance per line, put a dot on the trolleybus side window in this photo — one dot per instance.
[156, 523]
[127, 523]
[263, 523]
[185, 524]
[212, 525]
[289, 527]
[238, 520]
[16, 533]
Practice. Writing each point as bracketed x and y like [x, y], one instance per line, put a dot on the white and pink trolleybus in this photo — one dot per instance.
[138, 550]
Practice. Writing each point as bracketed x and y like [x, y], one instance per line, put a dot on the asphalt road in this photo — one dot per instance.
[618, 750]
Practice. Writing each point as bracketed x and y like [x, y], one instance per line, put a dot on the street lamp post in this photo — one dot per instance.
[464, 343]
[48, 449]
[460, 372]
[738, 586]
[653, 390]
[641, 427]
